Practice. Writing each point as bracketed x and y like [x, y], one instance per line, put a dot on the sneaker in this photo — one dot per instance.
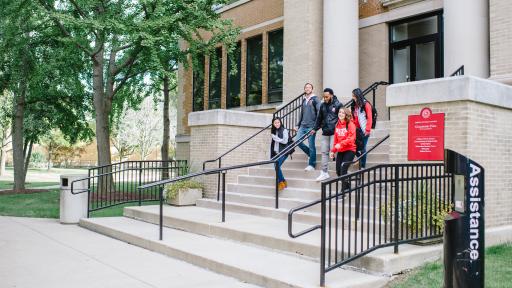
[309, 168]
[323, 176]
[281, 186]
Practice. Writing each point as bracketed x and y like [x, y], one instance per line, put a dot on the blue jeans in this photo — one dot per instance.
[279, 163]
[311, 150]
[362, 162]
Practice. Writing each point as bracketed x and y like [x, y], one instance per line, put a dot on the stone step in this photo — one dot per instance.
[305, 217]
[288, 203]
[272, 234]
[246, 263]
[270, 181]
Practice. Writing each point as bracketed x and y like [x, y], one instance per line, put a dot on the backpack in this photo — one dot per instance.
[359, 140]
[375, 114]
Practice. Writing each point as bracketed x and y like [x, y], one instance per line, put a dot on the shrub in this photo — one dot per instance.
[171, 190]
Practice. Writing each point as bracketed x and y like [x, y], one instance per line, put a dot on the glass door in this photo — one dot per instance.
[416, 48]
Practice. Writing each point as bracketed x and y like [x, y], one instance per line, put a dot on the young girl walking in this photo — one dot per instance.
[279, 142]
[344, 143]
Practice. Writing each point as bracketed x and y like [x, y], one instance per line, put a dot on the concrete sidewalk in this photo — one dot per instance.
[45, 253]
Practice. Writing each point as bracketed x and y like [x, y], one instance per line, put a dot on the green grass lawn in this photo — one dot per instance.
[46, 205]
[498, 271]
[29, 185]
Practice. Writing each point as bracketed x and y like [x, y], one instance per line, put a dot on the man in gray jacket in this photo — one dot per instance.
[307, 119]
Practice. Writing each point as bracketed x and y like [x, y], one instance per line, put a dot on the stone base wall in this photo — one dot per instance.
[478, 124]
[221, 130]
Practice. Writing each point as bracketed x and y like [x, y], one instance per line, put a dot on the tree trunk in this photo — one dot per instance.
[3, 159]
[27, 159]
[166, 136]
[17, 141]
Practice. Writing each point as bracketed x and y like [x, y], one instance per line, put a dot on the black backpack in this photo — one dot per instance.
[359, 140]
[375, 114]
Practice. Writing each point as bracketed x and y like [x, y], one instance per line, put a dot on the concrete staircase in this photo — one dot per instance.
[253, 245]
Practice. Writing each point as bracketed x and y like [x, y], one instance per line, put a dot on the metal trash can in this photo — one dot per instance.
[73, 207]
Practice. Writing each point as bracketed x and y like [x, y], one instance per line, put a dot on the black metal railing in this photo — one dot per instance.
[385, 205]
[160, 185]
[458, 72]
[117, 183]
[289, 115]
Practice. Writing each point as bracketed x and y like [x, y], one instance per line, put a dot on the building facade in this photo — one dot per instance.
[342, 45]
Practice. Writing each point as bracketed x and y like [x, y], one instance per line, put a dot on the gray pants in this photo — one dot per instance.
[327, 142]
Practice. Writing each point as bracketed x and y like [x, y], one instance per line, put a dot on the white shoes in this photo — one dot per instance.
[309, 168]
[323, 176]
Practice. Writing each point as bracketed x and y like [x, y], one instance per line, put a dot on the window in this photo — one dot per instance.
[215, 79]
[275, 66]
[233, 79]
[254, 59]
[198, 86]
[416, 48]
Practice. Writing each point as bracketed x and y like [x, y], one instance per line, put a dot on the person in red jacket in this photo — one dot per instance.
[344, 143]
[362, 114]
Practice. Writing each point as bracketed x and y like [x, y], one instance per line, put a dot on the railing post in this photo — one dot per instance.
[223, 196]
[322, 240]
[161, 220]
[140, 183]
[396, 174]
[88, 193]
[218, 180]
[277, 185]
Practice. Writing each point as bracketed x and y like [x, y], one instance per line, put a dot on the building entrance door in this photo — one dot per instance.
[416, 49]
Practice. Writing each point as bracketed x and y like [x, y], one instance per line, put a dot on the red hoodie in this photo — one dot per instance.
[369, 120]
[346, 139]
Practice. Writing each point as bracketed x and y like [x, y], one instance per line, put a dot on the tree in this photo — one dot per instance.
[5, 128]
[122, 40]
[139, 128]
[43, 75]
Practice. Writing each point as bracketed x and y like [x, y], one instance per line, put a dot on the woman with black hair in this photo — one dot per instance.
[279, 142]
[362, 115]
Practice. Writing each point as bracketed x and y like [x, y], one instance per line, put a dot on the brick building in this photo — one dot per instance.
[343, 45]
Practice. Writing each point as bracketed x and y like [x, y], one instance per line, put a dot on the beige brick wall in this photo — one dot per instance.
[500, 26]
[210, 141]
[479, 131]
[374, 63]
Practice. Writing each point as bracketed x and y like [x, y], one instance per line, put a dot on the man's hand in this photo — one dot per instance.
[295, 129]
[312, 132]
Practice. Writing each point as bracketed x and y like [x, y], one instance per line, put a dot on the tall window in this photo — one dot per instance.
[275, 66]
[215, 80]
[233, 79]
[198, 86]
[416, 48]
[254, 59]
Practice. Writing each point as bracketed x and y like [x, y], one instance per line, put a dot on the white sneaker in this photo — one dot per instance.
[310, 168]
[323, 176]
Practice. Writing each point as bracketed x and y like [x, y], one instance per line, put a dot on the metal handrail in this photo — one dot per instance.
[313, 203]
[458, 72]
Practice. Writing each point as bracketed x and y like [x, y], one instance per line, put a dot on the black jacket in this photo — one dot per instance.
[328, 116]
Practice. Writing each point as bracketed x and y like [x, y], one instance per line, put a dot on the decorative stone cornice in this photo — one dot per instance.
[229, 117]
[391, 4]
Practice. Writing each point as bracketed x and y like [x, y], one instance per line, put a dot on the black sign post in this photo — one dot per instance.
[465, 229]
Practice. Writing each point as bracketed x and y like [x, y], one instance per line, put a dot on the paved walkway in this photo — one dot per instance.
[44, 253]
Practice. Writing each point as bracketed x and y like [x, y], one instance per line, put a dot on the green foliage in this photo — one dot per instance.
[37, 158]
[419, 210]
[171, 190]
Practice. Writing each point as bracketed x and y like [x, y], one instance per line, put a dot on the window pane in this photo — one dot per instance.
[401, 65]
[425, 61]
[233, 93]
[215, 79]
[413, 29]
[275, 66]
[254, 58]
[198, 86]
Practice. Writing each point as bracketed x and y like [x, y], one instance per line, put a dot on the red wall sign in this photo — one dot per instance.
[426, 136]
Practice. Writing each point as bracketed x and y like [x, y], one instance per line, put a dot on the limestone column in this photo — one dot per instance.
[341, 46]
[466, 37]
[302, 46]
